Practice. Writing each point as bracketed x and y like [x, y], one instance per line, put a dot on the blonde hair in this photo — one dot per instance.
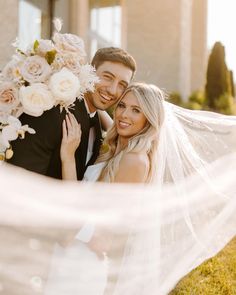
[150, 99]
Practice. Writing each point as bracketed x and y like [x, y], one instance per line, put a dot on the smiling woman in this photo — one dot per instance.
[129, 118]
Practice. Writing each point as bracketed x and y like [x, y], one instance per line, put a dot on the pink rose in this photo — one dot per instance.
[9, 100]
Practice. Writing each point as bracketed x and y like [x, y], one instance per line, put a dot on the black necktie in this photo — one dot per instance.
[92, 121]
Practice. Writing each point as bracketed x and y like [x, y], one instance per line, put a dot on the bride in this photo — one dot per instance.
[131, 151]
[151, 141]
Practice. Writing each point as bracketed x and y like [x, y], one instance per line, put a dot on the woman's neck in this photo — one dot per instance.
[121, 144]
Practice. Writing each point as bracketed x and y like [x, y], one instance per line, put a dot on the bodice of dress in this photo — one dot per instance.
[93, 172]
[76, 269]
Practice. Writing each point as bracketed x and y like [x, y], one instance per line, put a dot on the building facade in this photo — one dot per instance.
[167, 38]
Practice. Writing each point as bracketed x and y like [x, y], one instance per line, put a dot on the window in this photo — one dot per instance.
[105, 24]
[35, 20]
[29, 23]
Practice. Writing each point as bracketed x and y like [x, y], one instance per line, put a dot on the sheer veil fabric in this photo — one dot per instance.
[160, 231]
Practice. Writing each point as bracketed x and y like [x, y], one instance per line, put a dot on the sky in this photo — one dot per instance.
[222, 27]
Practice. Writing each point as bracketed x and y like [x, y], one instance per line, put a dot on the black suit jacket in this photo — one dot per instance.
[40, 152]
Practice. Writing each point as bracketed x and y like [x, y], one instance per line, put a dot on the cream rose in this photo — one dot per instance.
[69, 43]
[36, 99]
[65, 86]
[35, 69]
[9, 100]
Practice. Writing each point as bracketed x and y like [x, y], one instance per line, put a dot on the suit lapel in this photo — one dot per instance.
[97, 142]
[81, 115]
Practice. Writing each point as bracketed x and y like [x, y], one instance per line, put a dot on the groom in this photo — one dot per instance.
[40, 152]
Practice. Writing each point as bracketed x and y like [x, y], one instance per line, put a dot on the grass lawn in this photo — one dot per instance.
[215, 276]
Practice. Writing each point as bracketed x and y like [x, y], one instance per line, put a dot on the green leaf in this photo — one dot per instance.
[20, 51]
[36, 45]
[50, 56]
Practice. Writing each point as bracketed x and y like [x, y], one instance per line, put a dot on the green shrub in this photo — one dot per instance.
[175, 98]
[192, 105]
[110, 111]
[198, 96]
[225, 104]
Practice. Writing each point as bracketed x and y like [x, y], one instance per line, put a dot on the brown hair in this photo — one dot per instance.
[114, 54]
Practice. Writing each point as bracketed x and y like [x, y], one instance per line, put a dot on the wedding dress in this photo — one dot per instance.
[75, 269]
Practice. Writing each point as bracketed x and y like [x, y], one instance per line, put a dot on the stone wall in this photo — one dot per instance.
[167, 38]
[8, 29]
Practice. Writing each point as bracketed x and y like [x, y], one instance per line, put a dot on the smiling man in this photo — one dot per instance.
[115, 69]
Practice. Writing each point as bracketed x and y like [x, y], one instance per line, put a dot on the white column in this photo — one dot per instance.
[185, 42]
[79, 18]
[199, 44]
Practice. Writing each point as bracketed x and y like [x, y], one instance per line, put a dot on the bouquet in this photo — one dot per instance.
[49, 73]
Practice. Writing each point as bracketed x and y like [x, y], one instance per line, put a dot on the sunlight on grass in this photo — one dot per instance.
[216, 276]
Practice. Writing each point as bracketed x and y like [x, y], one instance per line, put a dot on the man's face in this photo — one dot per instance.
[114, 79]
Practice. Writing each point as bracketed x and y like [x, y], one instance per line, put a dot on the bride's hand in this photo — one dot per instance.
[71, 136]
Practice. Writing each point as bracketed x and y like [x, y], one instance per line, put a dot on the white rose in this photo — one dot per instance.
[69, 42]
[11, 71]
[35, 69]
[9, 100]
[36, 99]
[65, 86]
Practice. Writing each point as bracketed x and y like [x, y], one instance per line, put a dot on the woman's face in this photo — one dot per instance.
[129, 118]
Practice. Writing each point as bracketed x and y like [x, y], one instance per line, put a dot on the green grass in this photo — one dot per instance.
[216, 276]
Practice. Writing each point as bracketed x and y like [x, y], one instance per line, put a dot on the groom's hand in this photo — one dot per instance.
[101, 242]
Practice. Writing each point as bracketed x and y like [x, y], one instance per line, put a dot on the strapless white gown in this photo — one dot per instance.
[76, 270]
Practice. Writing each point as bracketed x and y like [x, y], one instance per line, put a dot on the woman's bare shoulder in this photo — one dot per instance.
[133, 167]
[136, 158]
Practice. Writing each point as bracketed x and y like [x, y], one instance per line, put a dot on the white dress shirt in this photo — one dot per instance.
[86, 232]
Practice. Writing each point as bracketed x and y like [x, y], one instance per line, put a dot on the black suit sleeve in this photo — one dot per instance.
[35, 151]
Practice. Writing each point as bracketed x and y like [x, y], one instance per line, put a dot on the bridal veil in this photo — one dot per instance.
[161, 231]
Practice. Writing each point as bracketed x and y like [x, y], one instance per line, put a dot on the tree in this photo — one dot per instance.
[218, 77]
[232, 83]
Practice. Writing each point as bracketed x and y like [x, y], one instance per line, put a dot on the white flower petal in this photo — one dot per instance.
[14, 122]
[28, 129]
[9, 133]
[57, 23]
